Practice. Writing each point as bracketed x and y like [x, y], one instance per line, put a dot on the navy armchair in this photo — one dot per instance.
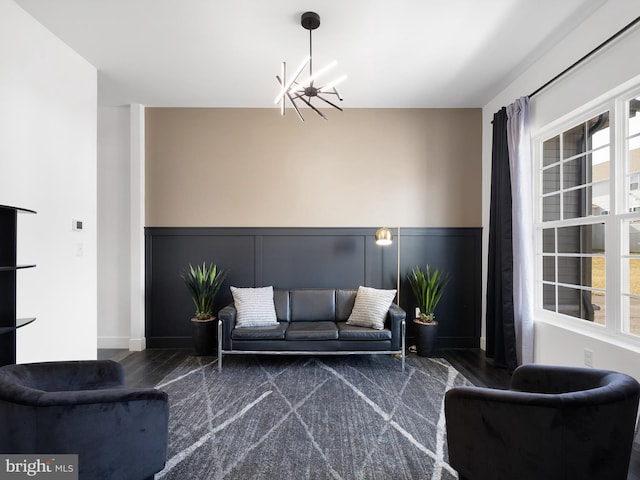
[553, 423]
[83, 408]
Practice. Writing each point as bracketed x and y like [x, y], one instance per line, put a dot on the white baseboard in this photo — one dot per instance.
[483, 343]
[113, 342]
[131, 344]
[137, 344]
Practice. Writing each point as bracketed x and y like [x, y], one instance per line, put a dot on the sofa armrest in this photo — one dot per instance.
[228, 318]
[395, 317]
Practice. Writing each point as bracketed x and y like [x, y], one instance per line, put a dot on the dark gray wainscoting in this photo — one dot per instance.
[311, 258]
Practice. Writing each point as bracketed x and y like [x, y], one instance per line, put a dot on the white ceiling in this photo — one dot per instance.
[226, 53]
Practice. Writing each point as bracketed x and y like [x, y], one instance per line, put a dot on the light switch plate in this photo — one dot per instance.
[588, 357]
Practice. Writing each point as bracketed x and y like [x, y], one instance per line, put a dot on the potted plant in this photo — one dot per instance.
[203, 283]
[428, 287]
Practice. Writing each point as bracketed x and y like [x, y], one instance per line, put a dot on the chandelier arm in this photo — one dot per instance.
[284, 79]
[313, 108]
[281, 83]
[298, 88]
[327, 101]
[335, 92]
[331, 85]
[295, 107]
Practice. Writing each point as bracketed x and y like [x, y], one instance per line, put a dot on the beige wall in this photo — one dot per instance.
[362, 168]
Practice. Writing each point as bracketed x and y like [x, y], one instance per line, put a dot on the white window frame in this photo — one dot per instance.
[613, 330]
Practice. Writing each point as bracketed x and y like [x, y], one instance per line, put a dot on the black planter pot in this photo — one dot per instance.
[203, 333]
[426, 339]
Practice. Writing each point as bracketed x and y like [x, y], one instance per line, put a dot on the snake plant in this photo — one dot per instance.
[204, 282]
[428, 287]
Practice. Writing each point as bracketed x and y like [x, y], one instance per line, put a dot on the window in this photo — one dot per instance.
[588, 228]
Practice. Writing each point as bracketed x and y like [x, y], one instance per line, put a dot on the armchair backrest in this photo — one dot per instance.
[20, 379]
[574, 382]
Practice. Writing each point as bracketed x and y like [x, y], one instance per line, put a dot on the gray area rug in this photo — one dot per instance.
[270, 417]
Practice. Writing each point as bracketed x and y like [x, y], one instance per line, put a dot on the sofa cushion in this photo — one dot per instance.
[344, 304]
[254, 306]
[260, 333]
[312, 331]
[371, 307]
[351, 332]
[282, 304]
[313, 305]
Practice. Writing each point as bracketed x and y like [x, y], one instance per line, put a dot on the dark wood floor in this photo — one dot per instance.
[149, 367]
[476, 367]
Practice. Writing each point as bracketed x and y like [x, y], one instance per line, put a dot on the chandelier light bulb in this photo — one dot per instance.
[332, 85]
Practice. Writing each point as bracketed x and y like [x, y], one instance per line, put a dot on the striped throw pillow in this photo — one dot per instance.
[255, 307]
[371, 307]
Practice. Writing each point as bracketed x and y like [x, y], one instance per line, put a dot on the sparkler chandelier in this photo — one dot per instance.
[307, 90]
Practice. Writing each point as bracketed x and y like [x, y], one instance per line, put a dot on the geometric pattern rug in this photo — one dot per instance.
[282, 417]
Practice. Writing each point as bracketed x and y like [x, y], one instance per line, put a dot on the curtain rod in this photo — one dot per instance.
[598, 48]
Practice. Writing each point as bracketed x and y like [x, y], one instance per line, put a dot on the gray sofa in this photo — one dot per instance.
[312, 322]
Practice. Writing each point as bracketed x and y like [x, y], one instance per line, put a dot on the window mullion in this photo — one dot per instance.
[613, 227]
[561, 157]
